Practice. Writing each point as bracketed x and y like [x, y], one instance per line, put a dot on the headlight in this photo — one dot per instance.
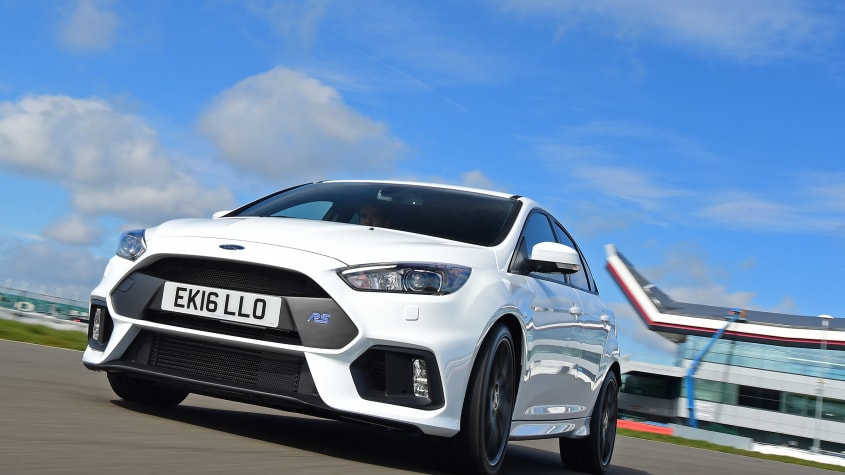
[131, 244]
[417, 278]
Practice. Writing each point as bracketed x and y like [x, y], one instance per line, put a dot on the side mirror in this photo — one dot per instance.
[220, 214]
[554, 257]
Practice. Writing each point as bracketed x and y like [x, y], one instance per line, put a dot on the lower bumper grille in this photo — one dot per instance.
[266, 378]
[223, 364]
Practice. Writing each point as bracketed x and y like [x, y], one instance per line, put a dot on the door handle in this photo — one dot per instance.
[606, 321]
[575, 310]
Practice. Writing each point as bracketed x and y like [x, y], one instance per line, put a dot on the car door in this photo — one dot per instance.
[553, 388]
[595, 319]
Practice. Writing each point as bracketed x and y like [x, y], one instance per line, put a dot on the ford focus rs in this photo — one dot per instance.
[469, 316]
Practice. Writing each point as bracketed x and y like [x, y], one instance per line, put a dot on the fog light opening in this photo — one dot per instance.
[421, 383]
[97, 326]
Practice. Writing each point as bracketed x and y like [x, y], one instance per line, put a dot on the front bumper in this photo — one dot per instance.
[361, 375]
[265, 378]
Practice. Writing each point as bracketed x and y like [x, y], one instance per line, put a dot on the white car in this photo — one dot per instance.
[468, 315]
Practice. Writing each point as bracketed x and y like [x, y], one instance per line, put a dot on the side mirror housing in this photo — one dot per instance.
[554, 257]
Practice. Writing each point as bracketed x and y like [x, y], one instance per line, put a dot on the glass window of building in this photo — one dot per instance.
[716, 391]
[815, 362]
[833, 410]
[652, 385]
[799, 404]
[761, 398]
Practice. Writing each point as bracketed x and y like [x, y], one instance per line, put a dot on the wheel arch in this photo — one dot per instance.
[517, 330]
[614, 368]
[617, 370]
[518, 336]
[476, 418]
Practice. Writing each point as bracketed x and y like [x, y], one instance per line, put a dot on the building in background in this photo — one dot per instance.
[776, 378]
[17, 302]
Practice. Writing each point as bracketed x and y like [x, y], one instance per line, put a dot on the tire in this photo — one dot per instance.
[486, 421]
[144, 392]
[592, 454]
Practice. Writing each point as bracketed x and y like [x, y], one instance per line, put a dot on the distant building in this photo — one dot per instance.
[25, 302]
[777, 378]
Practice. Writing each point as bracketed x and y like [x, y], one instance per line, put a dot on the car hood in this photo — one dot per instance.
[349, 243]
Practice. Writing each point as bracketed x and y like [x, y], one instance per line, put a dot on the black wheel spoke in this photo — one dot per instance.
[491, 433]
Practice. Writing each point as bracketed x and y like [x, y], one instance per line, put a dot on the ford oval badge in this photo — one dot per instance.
[231, 247]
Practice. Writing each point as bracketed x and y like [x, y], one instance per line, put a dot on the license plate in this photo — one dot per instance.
[243, 307]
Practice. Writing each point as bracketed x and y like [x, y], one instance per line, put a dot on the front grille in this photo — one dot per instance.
[235, 276]
[140, 295]
[223, 364]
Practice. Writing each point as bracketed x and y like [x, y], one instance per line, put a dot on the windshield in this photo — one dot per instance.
[464, 216]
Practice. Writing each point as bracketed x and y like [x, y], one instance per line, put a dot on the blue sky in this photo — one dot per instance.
[704, 139]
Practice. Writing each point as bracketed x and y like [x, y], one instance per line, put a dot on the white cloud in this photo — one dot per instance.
[592, 220]
[30, 237]
[36, 264]
[477, 179]
[711, 294]
[110, 162]
[89, 26]
[787, 305]
[675, 180]
[390, 46]
[74, 229]
[744, 30]
[597, 196]
[293, 19]
[641, 341]
[627, 184]
[589, 153]
[826, 190]
[283, 123]
[743, 210]
[685, 265]
[686, 275]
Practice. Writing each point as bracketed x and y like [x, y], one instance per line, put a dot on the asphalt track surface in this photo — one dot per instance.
[58, 417]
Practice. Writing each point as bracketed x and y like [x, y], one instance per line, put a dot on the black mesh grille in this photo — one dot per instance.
[379, 374]
[199, 360]
[235, 276]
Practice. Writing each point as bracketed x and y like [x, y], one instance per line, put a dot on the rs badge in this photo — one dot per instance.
[320, 318]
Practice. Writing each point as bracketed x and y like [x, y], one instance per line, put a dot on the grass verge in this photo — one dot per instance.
[42, 335]
[700, 444]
